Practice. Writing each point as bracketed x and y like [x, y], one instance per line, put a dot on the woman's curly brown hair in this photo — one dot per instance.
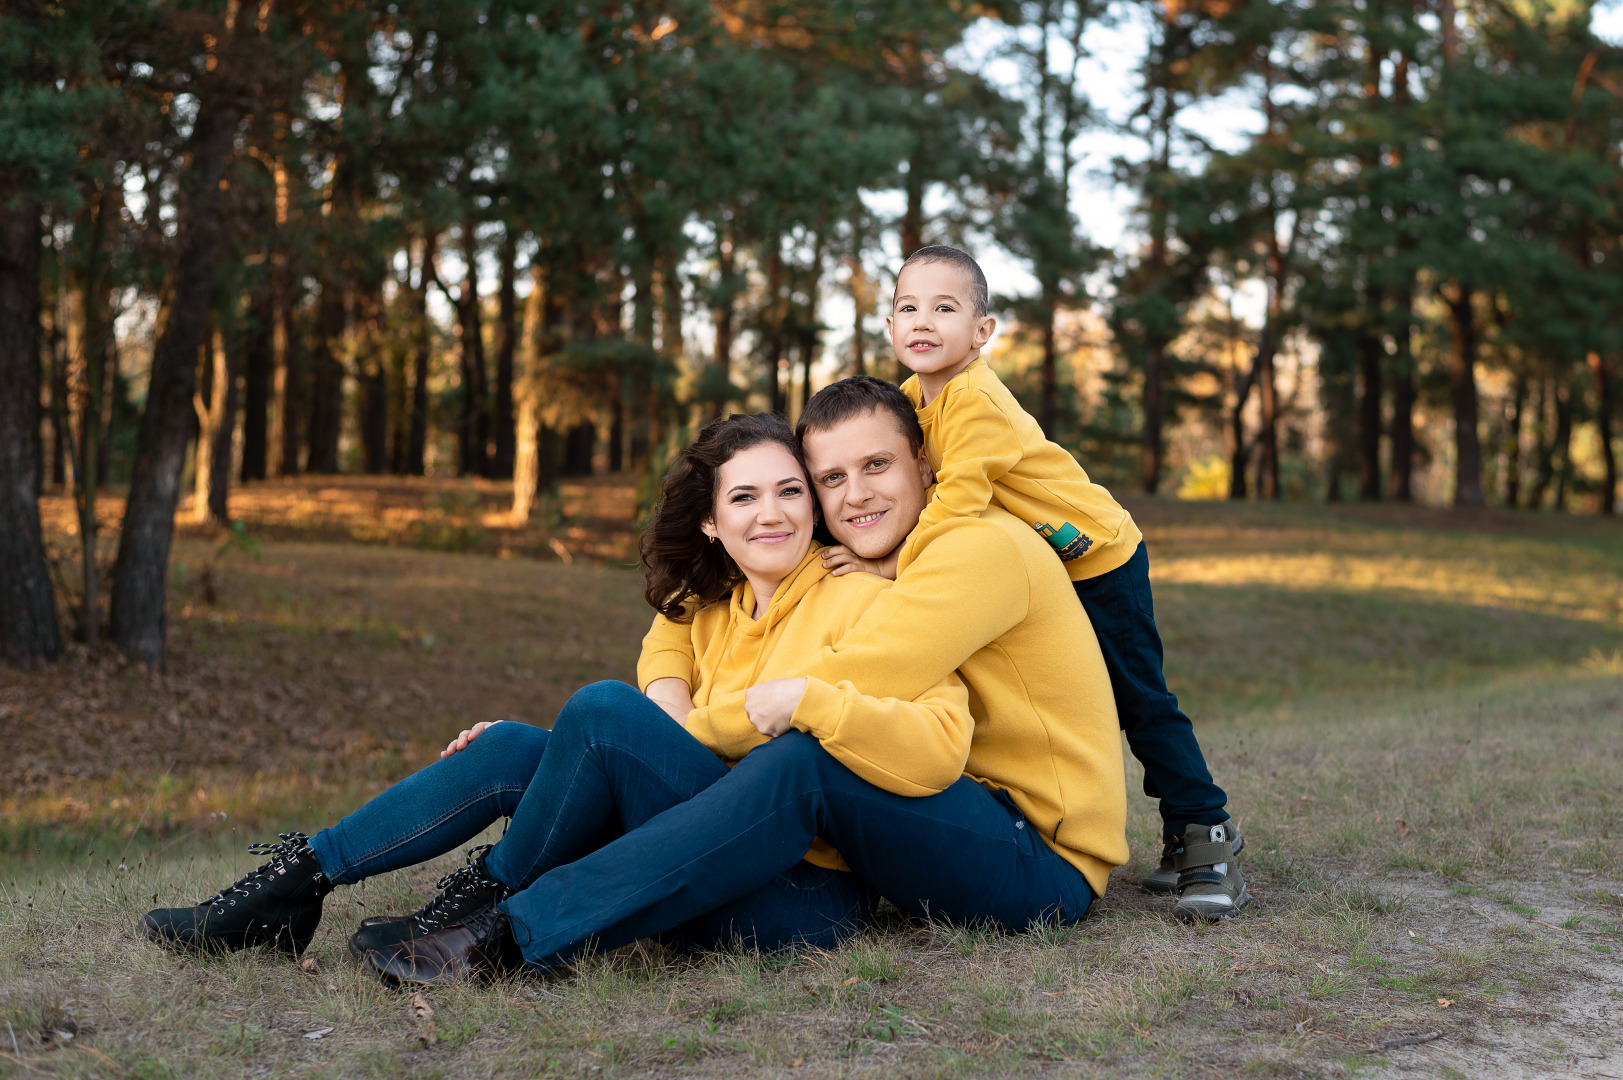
[680, 562]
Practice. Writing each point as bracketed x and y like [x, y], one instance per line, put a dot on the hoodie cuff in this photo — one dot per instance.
[820, 709]
[664, 665]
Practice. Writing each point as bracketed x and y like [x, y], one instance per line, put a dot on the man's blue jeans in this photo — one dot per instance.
[612, 761]
[1123, 615]
[963, 855]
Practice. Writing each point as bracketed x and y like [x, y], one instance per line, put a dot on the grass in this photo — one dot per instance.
[1417, 722]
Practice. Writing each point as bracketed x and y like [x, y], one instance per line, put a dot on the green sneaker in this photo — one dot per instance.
[1164, 878]
[1210, 885]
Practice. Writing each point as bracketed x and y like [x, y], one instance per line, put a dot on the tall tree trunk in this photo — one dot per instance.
[527, 452]
[1401, 481]
[258, 369]
[215, 403]
[1513, 443]
[1370, 354]
[474, 423]
[1268, 433]
[372, 399]
[1462, 385]
[138, 615]
[1603, 426]
[1239, 449]
[1562, 445]
[1154, 413]
[98, 355]
[421, 339]
[327, 382]
[28, 628]
[1048, 409]
[507, 344]
[913, 214]
[291, 382]
[724, 316]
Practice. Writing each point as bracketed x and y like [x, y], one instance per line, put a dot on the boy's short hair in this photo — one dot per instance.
[838, 402]
[963, 260]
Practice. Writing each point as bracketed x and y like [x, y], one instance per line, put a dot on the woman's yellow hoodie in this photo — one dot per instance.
[731, 651]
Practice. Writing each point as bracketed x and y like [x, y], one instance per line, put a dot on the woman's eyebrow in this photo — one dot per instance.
[740, 487]
[792, 480]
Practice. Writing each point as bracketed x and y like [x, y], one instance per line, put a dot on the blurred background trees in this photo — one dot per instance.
[242, 240]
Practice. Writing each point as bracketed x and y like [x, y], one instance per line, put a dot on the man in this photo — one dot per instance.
[986, 597]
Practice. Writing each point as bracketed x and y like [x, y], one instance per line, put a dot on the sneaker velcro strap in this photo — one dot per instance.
[1199, 877]
[1209, 853]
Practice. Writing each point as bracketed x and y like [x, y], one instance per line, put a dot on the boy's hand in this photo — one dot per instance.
[771, 705]
[842, 560]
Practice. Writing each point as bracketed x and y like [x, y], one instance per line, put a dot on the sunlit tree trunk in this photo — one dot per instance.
[216, 424]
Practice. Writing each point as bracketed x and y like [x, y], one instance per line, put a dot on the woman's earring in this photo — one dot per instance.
[712, 539]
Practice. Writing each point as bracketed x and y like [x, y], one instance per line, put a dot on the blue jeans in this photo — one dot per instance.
[963, 855]
[612, 761]
[1123, 615]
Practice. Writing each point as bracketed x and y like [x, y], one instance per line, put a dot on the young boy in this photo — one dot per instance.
[985, 448]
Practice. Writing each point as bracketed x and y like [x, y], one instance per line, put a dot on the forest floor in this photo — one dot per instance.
[1418, 716]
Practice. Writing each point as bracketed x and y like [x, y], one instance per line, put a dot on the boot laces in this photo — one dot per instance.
[287, 853]
[464, 884]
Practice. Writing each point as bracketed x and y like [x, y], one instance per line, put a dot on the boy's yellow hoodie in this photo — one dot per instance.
[725, 650]
[984, 597]
[985, 448]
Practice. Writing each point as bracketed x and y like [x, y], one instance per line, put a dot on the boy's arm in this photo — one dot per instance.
[977, 446]
[667, 653]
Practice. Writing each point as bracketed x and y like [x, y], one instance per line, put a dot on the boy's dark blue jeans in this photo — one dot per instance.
[1123, 615]
[612, 761]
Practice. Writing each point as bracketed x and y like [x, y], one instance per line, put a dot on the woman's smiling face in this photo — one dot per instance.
[763, 514]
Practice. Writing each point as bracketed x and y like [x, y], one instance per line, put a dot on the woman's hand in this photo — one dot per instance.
[673, 696]
[461, 741]
[841, 560]
[771, 705]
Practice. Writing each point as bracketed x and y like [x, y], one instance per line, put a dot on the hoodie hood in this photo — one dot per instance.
[750, 637]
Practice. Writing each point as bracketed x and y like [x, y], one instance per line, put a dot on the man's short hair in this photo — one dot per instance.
[963, 260]
[838, 402]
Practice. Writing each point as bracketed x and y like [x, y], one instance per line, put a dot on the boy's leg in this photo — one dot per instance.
[1198, 850]
[1122, 611]
[964, 854]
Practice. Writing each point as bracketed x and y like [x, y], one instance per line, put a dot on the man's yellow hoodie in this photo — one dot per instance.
[725, 650]
[985, 597]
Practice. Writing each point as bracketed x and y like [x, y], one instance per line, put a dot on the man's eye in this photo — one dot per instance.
[878, 463]
[832, 478]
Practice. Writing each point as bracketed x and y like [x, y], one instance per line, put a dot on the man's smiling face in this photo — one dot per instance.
[869, 482]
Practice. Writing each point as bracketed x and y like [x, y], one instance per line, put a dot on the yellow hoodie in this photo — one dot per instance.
[985, 596]
[985, 448]
[725, 650]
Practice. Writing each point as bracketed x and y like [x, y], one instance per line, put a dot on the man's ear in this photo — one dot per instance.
[984, 330]
[926, 474]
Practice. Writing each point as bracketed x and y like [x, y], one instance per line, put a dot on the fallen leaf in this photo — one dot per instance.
[797, 1063]
[1444, 1002]
[852, 981]
[321, 1033]
[309, 966]
[1403, 827]
[421, 1015]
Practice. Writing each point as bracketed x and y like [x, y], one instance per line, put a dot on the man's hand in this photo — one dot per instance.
[461, 741]
[771, 705]
[842, 560]
[672, 695]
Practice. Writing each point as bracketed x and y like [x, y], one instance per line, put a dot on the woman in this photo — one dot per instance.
[729, 554]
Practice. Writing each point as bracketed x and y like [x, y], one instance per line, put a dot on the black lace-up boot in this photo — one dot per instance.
[462, 892]
[278, 904]
[480, 948]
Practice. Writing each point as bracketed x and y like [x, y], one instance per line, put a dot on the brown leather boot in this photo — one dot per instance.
[480, 948]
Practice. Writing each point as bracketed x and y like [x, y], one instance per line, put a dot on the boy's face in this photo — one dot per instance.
[870, 484]
[932, 323]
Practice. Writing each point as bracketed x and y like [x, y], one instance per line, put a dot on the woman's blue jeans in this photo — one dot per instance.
[612, 761]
